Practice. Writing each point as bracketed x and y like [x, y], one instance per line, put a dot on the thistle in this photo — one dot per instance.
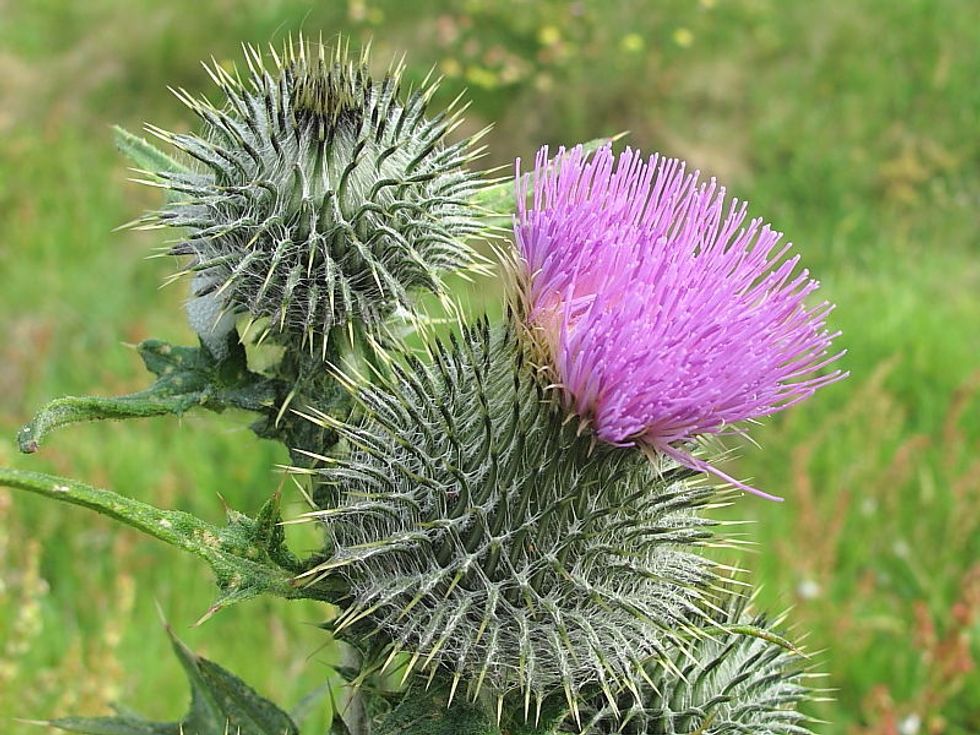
[662, 317]
[489, 523]
[732, 684]
[479, 533]
[320, 196]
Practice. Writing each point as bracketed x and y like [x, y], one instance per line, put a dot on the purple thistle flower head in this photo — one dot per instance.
[664, 315]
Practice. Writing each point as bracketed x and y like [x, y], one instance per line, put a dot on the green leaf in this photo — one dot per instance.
[553, 712]
[221, 703]
[144, 154]
[499, 198]
[186, 377]
[349, 713]
[305, 707]
[248, 556]
[428, 712]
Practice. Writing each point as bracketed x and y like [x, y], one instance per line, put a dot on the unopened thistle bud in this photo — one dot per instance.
[736, 680]
[489, 540]
[320, 195]
[660, 314]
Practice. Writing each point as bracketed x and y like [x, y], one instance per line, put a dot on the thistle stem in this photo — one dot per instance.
[74, 410]
[176, 528]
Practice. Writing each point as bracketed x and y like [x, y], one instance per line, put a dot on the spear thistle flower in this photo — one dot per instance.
[660, 315]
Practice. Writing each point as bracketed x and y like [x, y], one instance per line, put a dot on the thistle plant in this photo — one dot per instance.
[516, 519]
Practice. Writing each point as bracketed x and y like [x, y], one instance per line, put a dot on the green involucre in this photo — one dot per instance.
[734, 683]
[491, 541]
[319, 196]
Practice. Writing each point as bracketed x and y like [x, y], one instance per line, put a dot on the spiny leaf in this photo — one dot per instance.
[221, 703]
[248, 556]
[186, 377]
[424, 712]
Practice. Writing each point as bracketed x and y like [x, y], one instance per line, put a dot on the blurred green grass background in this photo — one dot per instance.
[853, 126]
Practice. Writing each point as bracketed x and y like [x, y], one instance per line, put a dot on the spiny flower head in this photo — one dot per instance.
[740, 679]
[479, 534]
[320, 195]
[663, 316]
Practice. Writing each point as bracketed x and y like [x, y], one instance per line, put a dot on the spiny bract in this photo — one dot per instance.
[320, 196]
[734, 683]
[493, 542]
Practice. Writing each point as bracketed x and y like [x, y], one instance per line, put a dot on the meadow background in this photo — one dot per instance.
[854, 126]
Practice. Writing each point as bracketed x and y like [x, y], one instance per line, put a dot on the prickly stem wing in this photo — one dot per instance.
[186, 377]
[244, 568]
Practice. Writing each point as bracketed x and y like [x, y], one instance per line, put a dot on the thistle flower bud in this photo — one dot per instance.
[733, 683]
[487, 539]
[321, 195]
[660, 315]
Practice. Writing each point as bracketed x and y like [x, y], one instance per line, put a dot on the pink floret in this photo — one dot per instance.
[669, 317]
